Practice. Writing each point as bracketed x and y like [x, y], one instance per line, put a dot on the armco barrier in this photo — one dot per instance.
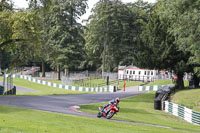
[74, 88]
[182, 112]
[150, 88]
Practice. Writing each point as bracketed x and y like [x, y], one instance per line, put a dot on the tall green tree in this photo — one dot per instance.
[158, 48]
[19, 33]
[186, 27]
[65, 34]
[110, 35]
[42, 9]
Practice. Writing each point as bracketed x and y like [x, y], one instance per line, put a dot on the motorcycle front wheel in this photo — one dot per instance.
[99, 114]
[110, 115]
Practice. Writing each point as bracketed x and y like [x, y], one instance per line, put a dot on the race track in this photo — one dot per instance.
[63, 103]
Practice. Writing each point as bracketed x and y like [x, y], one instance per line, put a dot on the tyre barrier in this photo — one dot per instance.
[1, 90]
[9, 92]
[160, 96]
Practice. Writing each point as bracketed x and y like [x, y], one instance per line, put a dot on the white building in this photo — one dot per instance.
[138, 74]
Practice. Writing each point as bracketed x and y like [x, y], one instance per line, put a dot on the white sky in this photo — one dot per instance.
[24, 4]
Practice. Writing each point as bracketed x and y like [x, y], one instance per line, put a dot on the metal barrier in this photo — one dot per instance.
[182, 112]
[185, 113]
[7, 88]
[68, 87]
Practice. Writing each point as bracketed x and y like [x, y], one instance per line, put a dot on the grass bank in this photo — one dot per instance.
[141, 109]
[15, 119]
[40, 89]
[189, 98]
[164, 82]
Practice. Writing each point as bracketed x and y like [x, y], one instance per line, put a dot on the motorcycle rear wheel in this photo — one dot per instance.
[110, 115]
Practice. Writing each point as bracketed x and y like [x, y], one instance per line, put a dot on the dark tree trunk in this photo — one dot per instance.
[66, 72]
[105, 48]
[43, 68]
[196, 80]
[104, 53]
[58, 70]
[179, 81]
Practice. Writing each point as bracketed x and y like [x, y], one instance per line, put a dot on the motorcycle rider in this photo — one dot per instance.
[111, 102]
[116, 100]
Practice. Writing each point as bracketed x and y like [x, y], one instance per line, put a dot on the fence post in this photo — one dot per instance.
[107, 80]
[4, 77]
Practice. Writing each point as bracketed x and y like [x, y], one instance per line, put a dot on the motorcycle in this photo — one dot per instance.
[108, 111]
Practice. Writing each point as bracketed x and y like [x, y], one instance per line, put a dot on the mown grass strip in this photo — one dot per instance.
[189, 98]
[41, 89]
[164, 82]
[15, 119]
[141, 109]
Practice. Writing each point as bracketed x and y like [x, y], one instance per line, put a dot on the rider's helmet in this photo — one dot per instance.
[117, 100]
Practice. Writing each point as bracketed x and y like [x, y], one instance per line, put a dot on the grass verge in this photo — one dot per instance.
[141, 109]
[41, 89]
[189, 98]
[15, 119]
[159, 82]
[164, 82]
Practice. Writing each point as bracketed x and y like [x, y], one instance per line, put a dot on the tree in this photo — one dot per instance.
[158, 48]
[110, 35]
[19, 33]
[186, 27]
[6, 5]
[42, 9]
[65, 34]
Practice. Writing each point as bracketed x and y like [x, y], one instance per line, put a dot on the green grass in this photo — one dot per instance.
[130, 83]
[141, 109]
[164, 82]
[54, 81]
[159, 82]
[189, 98]
[41, 89]
[14, 120]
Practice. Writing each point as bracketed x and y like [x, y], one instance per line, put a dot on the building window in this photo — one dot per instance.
[148, 73]
[130, 72]
[145, 72]
[139, 72]
[151, 72]
[133, 72]
[126, 71]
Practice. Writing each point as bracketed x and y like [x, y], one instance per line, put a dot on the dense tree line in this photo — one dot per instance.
[164, 35]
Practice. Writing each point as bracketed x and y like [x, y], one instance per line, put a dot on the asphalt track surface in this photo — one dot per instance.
[67, 104]
[63, 103]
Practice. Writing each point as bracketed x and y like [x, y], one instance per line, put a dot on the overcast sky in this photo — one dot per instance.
[24, 4]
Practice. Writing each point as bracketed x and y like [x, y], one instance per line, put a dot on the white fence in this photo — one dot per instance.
[68, 87]
[182, 112]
